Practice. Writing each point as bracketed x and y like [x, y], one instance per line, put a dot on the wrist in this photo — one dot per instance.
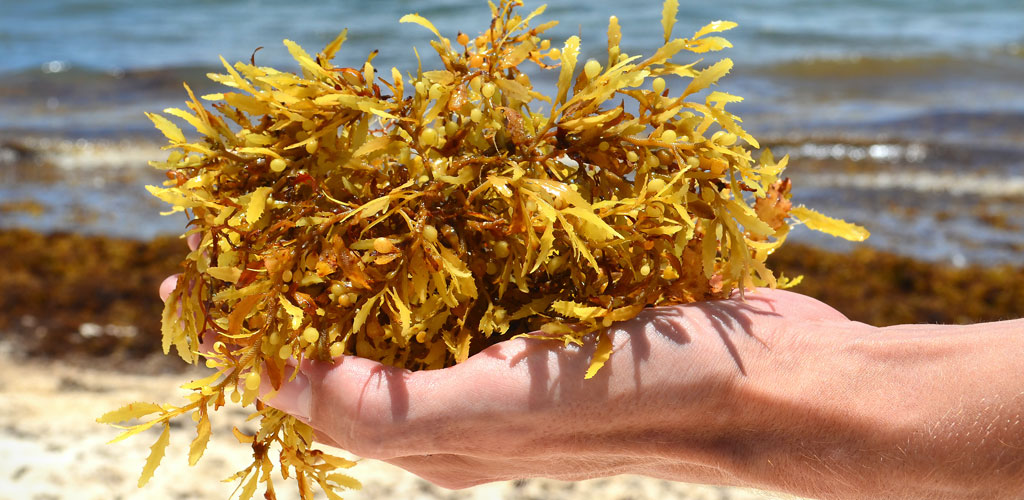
[802, 415]
[854, 411]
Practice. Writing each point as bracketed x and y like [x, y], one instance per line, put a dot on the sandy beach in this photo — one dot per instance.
[51, 448]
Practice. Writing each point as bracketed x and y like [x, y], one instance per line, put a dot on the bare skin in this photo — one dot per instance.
[776, 391]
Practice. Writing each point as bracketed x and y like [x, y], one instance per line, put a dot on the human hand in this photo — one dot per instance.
[666, 404]
[776, 391]
[673, 401]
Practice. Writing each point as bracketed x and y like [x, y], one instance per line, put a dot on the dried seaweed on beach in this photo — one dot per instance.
[416, 219]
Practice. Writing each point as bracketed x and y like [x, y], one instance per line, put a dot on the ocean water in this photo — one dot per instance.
[906, 116]
[126, 35]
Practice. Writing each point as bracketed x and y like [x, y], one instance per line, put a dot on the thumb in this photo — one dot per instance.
[344, 387]
[358, 403]
[294, 397]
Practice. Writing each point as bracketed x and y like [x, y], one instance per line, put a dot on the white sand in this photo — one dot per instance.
[52, 449]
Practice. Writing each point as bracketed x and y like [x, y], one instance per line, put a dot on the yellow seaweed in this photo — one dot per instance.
[418, 220]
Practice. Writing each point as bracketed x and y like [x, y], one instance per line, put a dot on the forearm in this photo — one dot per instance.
[902, 412]
[964, 398]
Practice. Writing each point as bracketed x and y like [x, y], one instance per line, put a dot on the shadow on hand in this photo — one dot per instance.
[570, 363]
[727, 318]
[730, 316]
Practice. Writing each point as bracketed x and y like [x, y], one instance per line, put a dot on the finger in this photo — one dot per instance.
[361, 405]
[167, 286]
[294, 397]
[378, 411]
[193, 240]
[325, 439]
[208, 345]
[453, 472]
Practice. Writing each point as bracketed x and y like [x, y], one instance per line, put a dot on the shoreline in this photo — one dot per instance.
[883, 289]
[85, 298]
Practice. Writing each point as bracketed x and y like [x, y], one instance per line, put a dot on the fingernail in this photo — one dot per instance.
[294, 398]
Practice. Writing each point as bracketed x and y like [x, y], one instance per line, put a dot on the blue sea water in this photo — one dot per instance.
[907, 114]
[122, 35]
[89, 67]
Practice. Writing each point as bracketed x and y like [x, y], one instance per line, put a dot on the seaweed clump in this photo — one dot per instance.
[414, 220]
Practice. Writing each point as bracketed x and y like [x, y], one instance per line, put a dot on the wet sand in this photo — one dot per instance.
[82, 298]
